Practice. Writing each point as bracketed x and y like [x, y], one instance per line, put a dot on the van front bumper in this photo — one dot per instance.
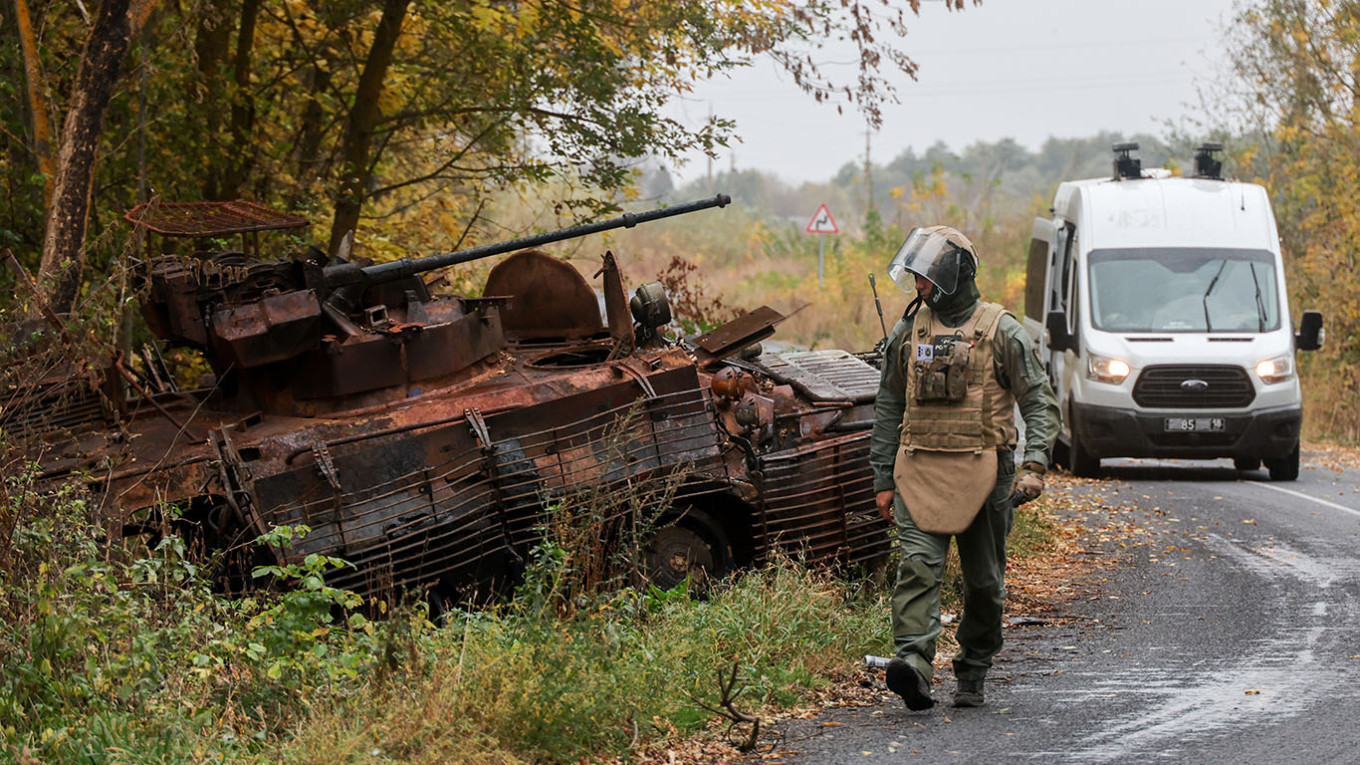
[1112, 432]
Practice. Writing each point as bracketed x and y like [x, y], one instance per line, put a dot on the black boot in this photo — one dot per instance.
[904, 680]
[969, 693]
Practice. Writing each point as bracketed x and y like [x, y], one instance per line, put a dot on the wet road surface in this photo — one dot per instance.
[1228, 632]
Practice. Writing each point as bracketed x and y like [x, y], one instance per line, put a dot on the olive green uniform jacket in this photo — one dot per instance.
[1017, 367]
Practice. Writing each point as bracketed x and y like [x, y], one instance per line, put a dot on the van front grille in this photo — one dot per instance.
[1193, 386]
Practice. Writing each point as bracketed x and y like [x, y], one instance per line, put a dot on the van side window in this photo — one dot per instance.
[1055, 290]
[1036, 267]
[1070, 281]
[1062, 267]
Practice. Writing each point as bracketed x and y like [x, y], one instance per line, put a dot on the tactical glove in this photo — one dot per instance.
[1029, 481]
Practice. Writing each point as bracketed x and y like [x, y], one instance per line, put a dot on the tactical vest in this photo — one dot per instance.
[954, 401]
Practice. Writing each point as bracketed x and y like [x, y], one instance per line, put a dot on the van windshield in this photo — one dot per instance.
[1177, 289]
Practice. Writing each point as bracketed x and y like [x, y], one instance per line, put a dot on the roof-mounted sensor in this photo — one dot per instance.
[1206, 164]
[1126, 166]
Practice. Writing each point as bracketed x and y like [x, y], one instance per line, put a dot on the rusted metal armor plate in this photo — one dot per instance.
[552, 299]
[448, 506]
[819, 503]
[210, 218]
[737, 334]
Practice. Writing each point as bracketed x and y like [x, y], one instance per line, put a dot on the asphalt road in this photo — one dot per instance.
[1228, 633]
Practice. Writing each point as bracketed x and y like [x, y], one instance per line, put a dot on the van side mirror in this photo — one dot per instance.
[1311, 334]
[1059, 339]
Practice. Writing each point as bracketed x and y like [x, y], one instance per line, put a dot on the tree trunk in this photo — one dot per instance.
[211, 41]
[241, 158]
[63, 254]
[309, 164]
[37, 98]
[363, 116]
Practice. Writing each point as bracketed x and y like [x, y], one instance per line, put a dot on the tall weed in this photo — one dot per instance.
[517, 684]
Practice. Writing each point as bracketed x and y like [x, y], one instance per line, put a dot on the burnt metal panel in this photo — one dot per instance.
[172, 311]
[736, 334]
[551, 298]
[71, 405]
[202, 219]
[826, 375]
[366, 362]
[273, 328]
[442, 349]
[818, 504]
[441, 506]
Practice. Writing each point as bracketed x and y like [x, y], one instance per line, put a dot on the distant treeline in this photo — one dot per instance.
[1013, 175]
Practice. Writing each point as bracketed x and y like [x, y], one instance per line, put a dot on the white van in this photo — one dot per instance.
[1159, 306]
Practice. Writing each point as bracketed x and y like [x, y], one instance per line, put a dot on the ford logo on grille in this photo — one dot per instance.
[1194, 386]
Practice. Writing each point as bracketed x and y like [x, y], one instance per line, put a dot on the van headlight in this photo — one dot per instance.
[1106, 370]
[1276, 370]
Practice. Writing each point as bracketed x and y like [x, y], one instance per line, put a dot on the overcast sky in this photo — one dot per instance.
[1023, 69]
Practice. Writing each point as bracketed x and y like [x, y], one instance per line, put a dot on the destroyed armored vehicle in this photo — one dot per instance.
[421, 438]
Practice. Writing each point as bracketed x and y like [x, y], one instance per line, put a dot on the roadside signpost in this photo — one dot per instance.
[822, 224]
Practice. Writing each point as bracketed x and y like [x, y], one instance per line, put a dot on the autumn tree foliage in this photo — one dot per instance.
[1299, 61]
[391, 119]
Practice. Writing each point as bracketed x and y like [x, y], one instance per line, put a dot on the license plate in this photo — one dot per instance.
[1194, 424]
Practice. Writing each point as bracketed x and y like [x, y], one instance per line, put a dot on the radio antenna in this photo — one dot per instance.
[879, 307]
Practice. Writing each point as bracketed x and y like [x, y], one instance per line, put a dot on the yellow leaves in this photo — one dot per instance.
[614, 46]
[489, 18]
[528, 20]
[309, 27]
[758, 236]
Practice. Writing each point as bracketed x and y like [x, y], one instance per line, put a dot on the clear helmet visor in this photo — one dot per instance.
[928, 253]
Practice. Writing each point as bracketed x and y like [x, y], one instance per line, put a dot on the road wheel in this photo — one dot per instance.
[1284, 468]
[1083, 463]
[695, 546]
[1242, 463]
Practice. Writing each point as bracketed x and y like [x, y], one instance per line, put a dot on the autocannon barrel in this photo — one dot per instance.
[399, 269]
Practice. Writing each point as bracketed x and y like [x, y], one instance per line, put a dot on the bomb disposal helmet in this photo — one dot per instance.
[940, 254]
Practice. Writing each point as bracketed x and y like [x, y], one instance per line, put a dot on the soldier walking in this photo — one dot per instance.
[943, 456]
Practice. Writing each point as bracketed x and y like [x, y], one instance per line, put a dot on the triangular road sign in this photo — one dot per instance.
[822, 222]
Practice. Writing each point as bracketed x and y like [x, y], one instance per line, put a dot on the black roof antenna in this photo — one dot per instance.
[1206, 165]
[1124, 165]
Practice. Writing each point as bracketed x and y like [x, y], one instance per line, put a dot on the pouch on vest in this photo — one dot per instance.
[942, 369]
[944, 491]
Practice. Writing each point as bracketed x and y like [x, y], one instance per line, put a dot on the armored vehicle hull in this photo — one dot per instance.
[428, 440]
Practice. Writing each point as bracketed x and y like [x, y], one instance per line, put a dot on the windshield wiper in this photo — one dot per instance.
[1260, 304]
[1208, 326]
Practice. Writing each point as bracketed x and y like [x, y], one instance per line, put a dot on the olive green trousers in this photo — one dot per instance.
[982, 558]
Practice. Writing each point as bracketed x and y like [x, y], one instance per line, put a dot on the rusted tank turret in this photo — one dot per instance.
[308, 336]
[422, 437]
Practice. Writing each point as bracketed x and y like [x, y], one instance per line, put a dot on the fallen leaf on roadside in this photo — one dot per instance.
[1253, 692]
